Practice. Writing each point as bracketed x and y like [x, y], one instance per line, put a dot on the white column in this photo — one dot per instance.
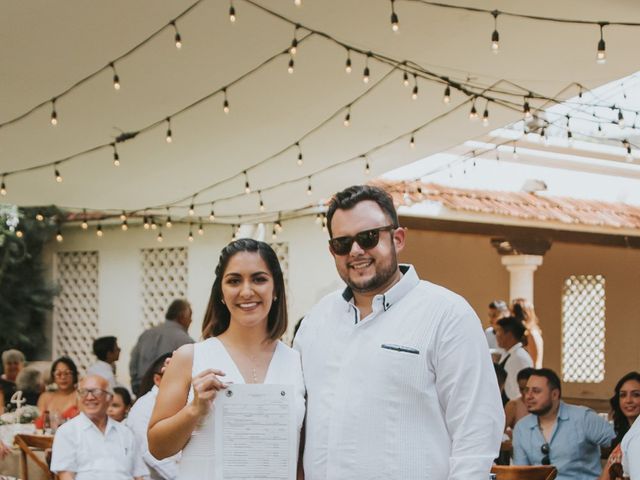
[521, 269]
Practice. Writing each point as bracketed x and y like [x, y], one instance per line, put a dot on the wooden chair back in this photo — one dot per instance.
[29, 445]
[518, 472]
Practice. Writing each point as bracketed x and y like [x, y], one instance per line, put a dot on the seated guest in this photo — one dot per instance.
[509, 334]
[31, 384]
[107, 352]
[138, 421]
[555, 433]
[516, 408]
[92, 446]
[62, 401]
[12, 363]
[120, 404]
[625, 408]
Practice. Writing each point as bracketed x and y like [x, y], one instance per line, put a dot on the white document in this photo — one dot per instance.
[255, 432]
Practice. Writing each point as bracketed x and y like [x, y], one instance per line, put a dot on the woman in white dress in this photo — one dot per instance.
[246, 316]
[534, 345]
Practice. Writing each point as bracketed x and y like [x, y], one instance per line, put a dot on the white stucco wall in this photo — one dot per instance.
[311, 272]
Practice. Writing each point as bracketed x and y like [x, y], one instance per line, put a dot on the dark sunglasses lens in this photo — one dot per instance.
[341, 245]
[545, 449]
[368, 239]
[545, 460]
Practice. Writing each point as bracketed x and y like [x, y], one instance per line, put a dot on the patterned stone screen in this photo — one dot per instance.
[583, 329]
[164, 278]
[75, 312]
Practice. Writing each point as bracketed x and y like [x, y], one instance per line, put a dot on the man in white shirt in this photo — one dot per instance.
[497, 309]
[399, 378]
[107, 353]
[631, 451]
[509, 334]
[92, 446]
[138, 422]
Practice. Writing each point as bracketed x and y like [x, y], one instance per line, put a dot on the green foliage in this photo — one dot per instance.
[26, 298]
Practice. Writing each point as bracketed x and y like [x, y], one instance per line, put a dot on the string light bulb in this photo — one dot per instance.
[447, 95]
[247, 187]
[601, 55]
[146, 223]
[3, 187]
[40, 217]
[57, 175]
[19, 233]
[347, 117]
[169, 137]
[300, 160]
[234, 232]
[212, 214]
[405, 79]
[154, 225]
[291, 65]
[473, 113]
[526, 108]
[367, 169]
[261, 201]
[232, 13]
[495, 36]
[274, 233]
[116, 157]
[99, 232]
[309, 189]
[84, 223]
[347, 63]
[225, 104]
[485, 117]
[294, 42]
[367, 73]
[515, 152]
[395, 24]
[192, 209]
[116, 78]
[54, 114]
[124, 226]
[318, 219]
[160, 238]
[414, 93]
[278, 225]
[59, 237]
[123, 215]
[190, 236]
[620, 118]
[412, 142]
[168, 223]
[201, 229]
[177, 38]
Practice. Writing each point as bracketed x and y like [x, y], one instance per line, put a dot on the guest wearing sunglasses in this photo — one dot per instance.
[398, 373]
[555, 433]
[93, 446]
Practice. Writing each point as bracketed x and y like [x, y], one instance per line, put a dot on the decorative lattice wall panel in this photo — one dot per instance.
[164, 278]
[282, 250]
[583, 328]
[75, 312]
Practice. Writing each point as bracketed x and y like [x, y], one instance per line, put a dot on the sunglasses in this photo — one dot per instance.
[366, 239]
[545, 449]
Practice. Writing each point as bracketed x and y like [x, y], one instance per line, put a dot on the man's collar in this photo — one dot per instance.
[86, 423]
[403, 286]
[513, 348]
[563, 414]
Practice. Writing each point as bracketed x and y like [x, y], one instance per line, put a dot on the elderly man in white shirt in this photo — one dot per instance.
[92, 446]
[399, 378]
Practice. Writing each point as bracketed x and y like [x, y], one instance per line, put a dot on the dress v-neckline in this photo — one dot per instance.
[235, 366]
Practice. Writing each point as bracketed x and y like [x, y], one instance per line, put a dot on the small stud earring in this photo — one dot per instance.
[222, 301]
[275, 299]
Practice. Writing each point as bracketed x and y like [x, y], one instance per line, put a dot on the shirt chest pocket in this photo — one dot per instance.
[401, 366]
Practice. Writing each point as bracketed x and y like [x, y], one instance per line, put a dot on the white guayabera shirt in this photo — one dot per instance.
[407, 392]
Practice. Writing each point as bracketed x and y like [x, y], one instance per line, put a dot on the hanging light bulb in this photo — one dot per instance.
[278, 225]
[247, 187]
[367, 170]
[297, 3]
[116, 157]
[57, 175]
[124, 226]
[473, 113]
[99, 231]
[620, 119]
[169, 137]
[212, 215]
[232, 13]
[19, 233]
[318, 219]
[405, 79]
[234, 232]
[367, 73]
[347, 63]
[485, 116]
[414, 93]
[294, 43]
[395, 25]
[192, 209]
[274, 233]
[177, 38]
[168, 223]
[324, 223]
[190, 236]
[59, 237]
[116, 78]
[261, 202]
[159, 238]
[146, 223]
[225, 104]
[40, 217]
[291, 65]
[201, 229]
[447, 95]
[412, 141]
[526, 109]
[84, 223]
[309, 189]
[495, 36]
[347, 117]
[3, 187]
[300, 160]
[601, 55]
[123, 215]
[154, 225]
[54, 114]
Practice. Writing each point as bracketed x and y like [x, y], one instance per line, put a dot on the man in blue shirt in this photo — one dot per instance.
[555, 433]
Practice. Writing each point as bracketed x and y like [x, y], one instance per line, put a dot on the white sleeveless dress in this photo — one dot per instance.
[198, 456]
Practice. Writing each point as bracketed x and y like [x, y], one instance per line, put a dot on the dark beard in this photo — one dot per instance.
[542, 411]
[380, 279]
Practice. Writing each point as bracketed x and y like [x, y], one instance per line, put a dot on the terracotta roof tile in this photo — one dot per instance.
[522, 205]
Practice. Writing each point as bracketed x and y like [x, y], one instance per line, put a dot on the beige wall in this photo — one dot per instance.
[470, 266]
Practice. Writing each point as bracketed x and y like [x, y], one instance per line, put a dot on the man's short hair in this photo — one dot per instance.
[552, 378]
[514, 326]
[102, 346]
[30, 380]
[176, 308]
[12, 355]
[525, 373]
[351, 196]
[499, 305]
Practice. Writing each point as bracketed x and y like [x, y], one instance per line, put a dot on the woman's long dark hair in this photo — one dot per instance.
[217, 317]
[620, 421]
